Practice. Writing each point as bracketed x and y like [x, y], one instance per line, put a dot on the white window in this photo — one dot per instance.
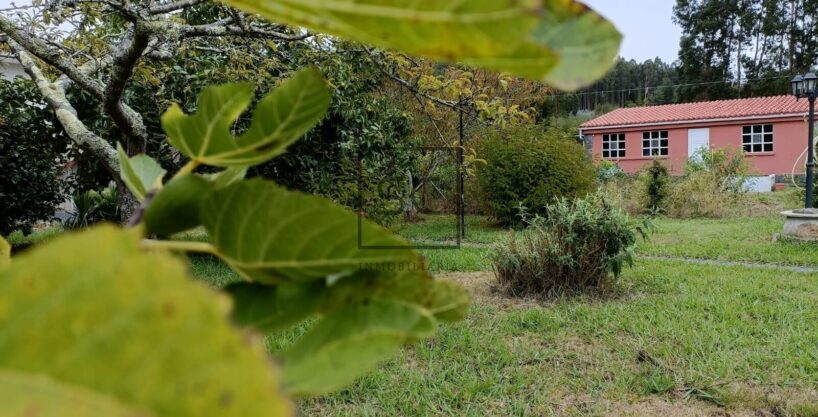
[757, 138]
[655, 143]
[613, 145]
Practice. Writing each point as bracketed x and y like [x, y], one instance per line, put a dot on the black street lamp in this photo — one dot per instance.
[806, 87]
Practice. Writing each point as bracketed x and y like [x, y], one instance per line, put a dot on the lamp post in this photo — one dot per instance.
[805, 86]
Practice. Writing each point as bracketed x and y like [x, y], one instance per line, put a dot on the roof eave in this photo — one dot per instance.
[695, 121]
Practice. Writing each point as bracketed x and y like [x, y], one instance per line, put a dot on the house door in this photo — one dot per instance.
[697, 139]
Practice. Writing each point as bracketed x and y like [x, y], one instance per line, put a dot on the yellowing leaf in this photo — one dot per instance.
[94, 313]
[140, 173]
[280, 118]
[275, 236]
[562, 42]
[26, 394]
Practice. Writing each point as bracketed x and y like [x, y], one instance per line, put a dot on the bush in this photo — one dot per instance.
[526, 166]
[713, 185]
[701, 195]
[93, 207]
[580, 245]
[802, 194]
[609, 171]
[656, 180]
[712, 188]
[30, 147]
[729, 169]
[628, 193]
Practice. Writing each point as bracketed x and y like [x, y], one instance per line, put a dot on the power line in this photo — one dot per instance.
[665, 86]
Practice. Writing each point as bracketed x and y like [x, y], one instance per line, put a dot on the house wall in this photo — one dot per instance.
[789, 141]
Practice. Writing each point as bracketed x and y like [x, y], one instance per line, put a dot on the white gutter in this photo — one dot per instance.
[696, 121]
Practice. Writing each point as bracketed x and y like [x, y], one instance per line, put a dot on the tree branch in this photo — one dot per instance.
[173, 6]
[51, 56]
[226, 29]
[123, 64]
[128, 12]
[54, 95]
[128, 120]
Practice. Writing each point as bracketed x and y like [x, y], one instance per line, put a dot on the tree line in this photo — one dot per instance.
[728, 49]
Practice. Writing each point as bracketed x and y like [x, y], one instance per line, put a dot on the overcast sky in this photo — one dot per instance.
[647, 25]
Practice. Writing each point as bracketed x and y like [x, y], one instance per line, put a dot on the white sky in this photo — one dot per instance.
[647, 25]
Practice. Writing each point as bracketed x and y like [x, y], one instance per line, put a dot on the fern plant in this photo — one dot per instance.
[107, 322]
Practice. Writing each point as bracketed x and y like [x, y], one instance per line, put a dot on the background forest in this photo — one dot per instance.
[729, 49]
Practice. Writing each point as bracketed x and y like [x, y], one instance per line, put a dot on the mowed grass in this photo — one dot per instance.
[465, 259]
[443, 228]
[215, 272]
[747, 239]
[673, 339]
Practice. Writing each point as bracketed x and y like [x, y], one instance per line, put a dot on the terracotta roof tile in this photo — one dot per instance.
[748, 107]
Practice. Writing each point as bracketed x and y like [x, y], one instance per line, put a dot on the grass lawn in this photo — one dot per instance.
[673, 338]
[745, 239]
[667, 337]
[443, 228]
[741, 239]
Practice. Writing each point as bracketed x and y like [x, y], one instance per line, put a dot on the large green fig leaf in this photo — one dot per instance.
[95, 314]
[562, 42]
[271, 308]
[274, 236]
[280, 118]
[176, 207]
[446, 300]
[351, 342]
[276, 307]
[24, 394]
[227, 177]
[140, 173]
[364, 319]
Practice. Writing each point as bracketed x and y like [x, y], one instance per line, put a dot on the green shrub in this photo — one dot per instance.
[713, 185]
[529, 167]
[93, 207]
[628, 193]
[609, 171]
[656, 180]
[701, 195]
[30, 146]
[581, 245]
[802, 194]
[729, 169]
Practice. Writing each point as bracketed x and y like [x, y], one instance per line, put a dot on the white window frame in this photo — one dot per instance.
[655, 143]
[613, 146]
[757, 139]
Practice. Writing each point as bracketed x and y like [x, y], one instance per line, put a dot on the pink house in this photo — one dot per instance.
[772, 131]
